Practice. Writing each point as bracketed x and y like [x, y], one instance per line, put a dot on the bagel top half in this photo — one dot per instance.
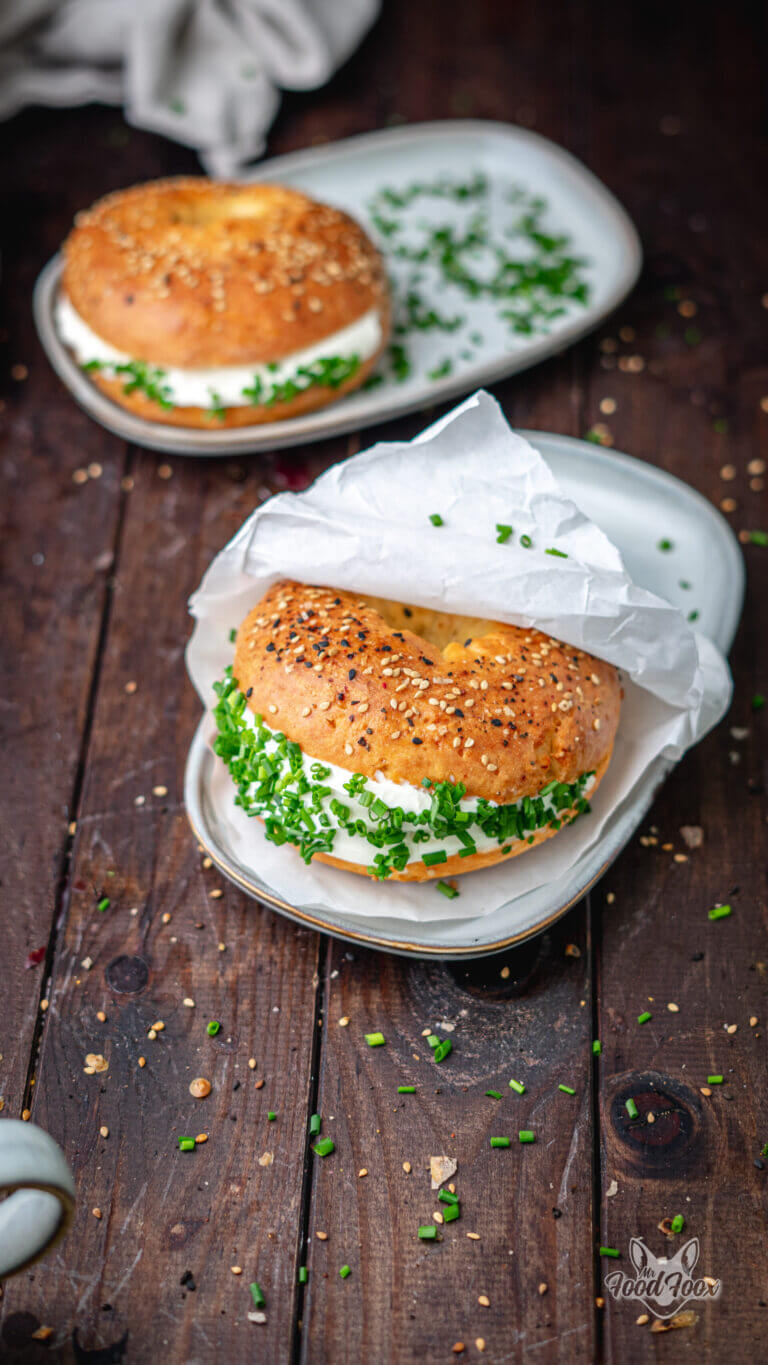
[403, 695]
[197, 274]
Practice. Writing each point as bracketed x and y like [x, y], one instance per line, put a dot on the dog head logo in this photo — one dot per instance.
[662, 1284]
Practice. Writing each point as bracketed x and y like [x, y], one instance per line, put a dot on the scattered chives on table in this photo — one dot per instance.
[517, 1086]
[527, 1135]
[212, 1027]
[428, 1232]
[567, 1089]
[303, 1274]
[631, 1108]
[271, 1115]
[678, 1223]
[433, 1040]
[345, 1271]
[257, 1295]
[324, 1147]
[597, 1047]
[375, 1039]
[442, 1050]
[447, 1197]
[719, 912]
[493, 1094]
[452, 1212]
[436, 519]
[644, 1017]
[714, 1080]
[315, 1124]
[608, 1251]
[406, 1090]
[186, 1144]
[500, 1141]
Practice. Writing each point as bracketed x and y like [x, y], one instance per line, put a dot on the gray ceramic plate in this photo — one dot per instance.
[635, 504]
[348, 174]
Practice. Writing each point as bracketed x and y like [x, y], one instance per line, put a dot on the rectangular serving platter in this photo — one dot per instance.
[636, 505]
[349, 174]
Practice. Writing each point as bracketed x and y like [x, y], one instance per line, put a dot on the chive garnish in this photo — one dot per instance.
[436, 519]
[303, 1274]
[271, 1115]
[428, 1232]
[567, 1089]
[719, 912]
[608, 1251]
[324, 1147]
[644, 1017]
[433, 1040]
[759, 538]
[447, 890]
[315, 1124]
[186, 1144]
[447, 1197]
[597, 1047]
[714, 1080]
[500, 1141]
[631, 1108]
[758, 702]
[257, 1295]
[504, 533]
[452, 1212]
[526, 541]
[526, 1135]
[678, 1223]
[442, 1050]
[432, 859]
[518, 1086]
[103, 904]
[665, 545]
[344, 1272]
[493, 1094]
[233, 635]
[560, 553]
[212, 1027]
[375, 1039]
[406, 1090]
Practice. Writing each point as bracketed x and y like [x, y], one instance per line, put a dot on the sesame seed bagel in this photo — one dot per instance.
[401, 694]
[197, 276]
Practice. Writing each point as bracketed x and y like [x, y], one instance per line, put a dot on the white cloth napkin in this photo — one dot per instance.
[203, 72]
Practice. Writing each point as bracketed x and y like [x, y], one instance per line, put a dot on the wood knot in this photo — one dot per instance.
[127, 975]
[655, 1124]
[501, 977]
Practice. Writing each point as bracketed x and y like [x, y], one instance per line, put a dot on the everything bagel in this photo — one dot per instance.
[193, 302]
[400, 742]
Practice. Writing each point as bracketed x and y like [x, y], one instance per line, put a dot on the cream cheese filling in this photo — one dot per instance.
[221, 384]
[353, 847]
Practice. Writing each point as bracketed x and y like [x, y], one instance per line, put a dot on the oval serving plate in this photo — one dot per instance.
[635, 504]
[484, 348]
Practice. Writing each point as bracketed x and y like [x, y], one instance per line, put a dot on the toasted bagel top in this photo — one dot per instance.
[192, 273]
[378, 686]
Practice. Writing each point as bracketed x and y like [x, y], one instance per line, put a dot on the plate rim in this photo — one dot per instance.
[327, 422]
[654, 778]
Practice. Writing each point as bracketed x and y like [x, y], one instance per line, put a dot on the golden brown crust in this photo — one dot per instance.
[502, 709]
[456, 866]
[317, 396]
[193, 273]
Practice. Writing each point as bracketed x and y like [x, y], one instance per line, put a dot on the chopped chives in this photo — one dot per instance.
[567, 1089]
[631, 1108]
[303, 1274]
[406, 1090]
[526, 541]
[714, 1080]
[518, 1086]
[597, 1047]
[232, 635]
[436, 519]
[447, 890]
[719, 912]
[432, 859]
[664, 545]
[644, 1017]
[758, 702]
[560, 553]
[433, 1040]
[212, 1027]
[452, 1212]
[493, 1094]
[315, 1124]
[428, 1232]
[759, 538]
[608, 1251]
[678, 1223]
[186, 1144]
[446, 1197]
[345, 1271]
[526, 1135]
[257, 1295]
[103, 904]
[442, 1050]
[375, 1039]
[271, 1115]
[324, 1147]
[500, 1141]
[504, 533]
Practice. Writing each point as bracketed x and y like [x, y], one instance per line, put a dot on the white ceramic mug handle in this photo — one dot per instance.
[40, 1194]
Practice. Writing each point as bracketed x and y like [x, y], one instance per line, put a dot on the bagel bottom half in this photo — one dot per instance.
[417, 872]
[309, 400]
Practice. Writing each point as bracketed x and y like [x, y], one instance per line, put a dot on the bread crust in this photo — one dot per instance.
[316, 396]
[503, 710]
[192, 273]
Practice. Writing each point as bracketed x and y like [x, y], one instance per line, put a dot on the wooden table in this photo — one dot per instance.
[663, 103]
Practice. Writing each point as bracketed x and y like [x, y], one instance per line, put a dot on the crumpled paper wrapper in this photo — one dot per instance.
[364, 526]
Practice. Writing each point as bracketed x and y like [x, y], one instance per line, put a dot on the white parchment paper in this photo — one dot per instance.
[364, 526]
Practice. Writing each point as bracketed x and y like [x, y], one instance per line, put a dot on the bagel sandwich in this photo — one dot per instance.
[404, 743]
[200, 304]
